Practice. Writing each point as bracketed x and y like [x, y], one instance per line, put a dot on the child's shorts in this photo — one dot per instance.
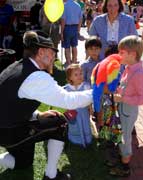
[70, 35]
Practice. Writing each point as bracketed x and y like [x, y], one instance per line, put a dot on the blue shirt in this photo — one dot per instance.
[5, 13]
[87, 68]
[72, 12]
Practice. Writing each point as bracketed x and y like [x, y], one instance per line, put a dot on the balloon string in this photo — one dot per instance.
[50, 30]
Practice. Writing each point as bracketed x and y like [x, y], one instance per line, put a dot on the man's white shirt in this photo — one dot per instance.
[41, 86]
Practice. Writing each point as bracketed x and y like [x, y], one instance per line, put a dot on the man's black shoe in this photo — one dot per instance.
[60, 176]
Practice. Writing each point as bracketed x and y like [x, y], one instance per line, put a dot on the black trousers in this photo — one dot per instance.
[20, 140]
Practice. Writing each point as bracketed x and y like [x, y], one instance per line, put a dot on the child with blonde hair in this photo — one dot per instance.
[129, 95]
[79, 130]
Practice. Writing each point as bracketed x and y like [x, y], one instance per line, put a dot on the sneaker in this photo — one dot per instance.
[60, 176]
[120, 171]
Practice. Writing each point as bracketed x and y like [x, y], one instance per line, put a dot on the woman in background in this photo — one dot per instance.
[113, 25]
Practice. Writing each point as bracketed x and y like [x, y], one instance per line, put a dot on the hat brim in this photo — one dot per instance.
[42, 45]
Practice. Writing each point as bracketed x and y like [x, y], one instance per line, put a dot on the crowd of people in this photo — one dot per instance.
[12, 26]
[111, 25]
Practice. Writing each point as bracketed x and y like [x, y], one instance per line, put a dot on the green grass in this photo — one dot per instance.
[83, 164]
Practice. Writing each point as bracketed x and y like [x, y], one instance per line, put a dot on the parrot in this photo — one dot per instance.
[106, 74]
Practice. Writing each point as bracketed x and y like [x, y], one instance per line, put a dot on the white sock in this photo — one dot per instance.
[55, 149]
[7, 160]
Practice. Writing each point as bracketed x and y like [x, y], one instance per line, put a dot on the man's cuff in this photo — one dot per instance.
[35, 115]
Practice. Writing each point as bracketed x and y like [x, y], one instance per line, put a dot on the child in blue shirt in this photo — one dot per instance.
[93, 47]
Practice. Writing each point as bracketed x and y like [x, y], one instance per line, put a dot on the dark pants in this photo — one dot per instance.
[20, 141]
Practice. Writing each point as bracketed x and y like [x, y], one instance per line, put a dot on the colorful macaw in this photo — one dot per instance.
[105, 74]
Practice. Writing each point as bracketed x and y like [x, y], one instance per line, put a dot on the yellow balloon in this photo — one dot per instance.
[53, 9]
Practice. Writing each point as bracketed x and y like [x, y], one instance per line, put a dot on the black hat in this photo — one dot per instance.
[31, 38]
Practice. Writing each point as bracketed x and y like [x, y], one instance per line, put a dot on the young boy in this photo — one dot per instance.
[129, 95]
[93, 47]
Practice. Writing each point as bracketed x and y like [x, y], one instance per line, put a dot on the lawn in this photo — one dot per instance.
[83, 164]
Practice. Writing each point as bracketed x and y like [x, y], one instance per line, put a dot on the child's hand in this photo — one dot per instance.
[117, 98]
